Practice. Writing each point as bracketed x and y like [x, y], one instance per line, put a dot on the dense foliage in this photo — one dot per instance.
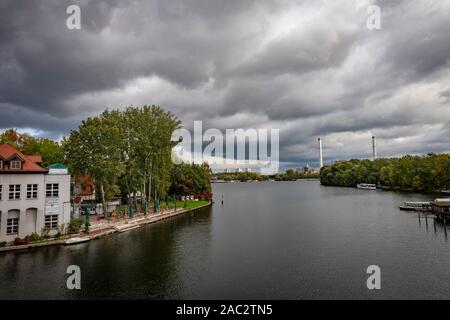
[191, 179]
[125, 152]
[429, 173]
[50, 150]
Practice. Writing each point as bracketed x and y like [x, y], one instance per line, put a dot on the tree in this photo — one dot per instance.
[96, 149]
[126, 152]
[190, 179]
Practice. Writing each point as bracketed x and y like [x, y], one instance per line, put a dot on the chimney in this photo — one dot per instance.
[374, 147]
[320, 153]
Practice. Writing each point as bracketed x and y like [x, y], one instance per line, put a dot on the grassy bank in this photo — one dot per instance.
[180, 204]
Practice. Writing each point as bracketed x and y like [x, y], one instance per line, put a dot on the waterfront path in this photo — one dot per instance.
[102, 228]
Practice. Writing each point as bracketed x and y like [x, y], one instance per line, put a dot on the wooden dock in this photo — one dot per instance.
[421, 206]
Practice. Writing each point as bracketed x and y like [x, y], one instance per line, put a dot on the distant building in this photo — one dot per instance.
[32, 198]
[84, 188]
[306, 169]
[314, 170]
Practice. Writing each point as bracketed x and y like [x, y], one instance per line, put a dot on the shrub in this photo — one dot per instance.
[45, 233]
[2, 244]
[33, 237]
[75, 225]
[18, 241]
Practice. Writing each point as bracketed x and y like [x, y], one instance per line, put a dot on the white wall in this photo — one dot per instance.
[63, 180]
[6, 205]
[22, 204]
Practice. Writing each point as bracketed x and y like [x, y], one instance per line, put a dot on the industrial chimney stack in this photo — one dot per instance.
[320, 153]
[374, 147]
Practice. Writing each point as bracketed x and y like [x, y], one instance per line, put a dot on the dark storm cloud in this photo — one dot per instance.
[309, 68]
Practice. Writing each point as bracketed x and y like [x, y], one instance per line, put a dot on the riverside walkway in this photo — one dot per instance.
[102, 228]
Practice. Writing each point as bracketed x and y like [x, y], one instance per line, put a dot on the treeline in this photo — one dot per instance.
[50, 150]
[289, 175]
[240, 176]
[429, 173]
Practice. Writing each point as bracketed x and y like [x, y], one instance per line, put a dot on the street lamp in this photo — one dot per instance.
[87, 223]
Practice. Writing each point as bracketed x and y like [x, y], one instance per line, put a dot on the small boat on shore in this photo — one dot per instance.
[366, 186]
[446, 191]
[77, 240]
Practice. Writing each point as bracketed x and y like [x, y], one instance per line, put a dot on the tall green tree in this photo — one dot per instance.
[96, 149]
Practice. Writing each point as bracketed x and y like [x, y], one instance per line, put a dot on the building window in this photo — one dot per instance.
[32, 191]
[14, 191]
[15, 165]
[52, 190]
[12, 226]
[51, 222]
[1, 164]
[1, 193]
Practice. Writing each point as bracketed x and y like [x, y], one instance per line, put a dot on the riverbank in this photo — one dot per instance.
[105, 228]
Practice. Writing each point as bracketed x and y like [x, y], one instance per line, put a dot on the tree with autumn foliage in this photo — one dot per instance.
[50, 151]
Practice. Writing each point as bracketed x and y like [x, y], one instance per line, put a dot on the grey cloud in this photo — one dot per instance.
[309, 68]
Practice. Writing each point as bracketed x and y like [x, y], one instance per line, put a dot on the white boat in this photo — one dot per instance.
[366, 186]
[77, 240]
[446, 191]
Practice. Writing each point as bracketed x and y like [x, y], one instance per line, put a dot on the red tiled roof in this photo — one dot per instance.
[8, 153]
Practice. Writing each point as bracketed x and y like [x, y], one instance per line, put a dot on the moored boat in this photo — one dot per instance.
[77, 240]
[366, 186]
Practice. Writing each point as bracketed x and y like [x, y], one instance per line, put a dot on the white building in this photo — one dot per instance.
[32, 198]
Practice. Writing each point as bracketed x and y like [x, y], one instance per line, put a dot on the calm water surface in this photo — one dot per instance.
[270, 240]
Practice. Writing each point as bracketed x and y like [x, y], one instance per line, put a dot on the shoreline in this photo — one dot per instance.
[109, 228]
[406, 191]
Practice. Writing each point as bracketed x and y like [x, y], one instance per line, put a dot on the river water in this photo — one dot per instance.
[269, 240]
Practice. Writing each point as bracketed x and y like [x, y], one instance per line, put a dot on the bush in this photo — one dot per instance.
[75, 225]
[18, 241]
[2, 244]
[33, 237]
[45, 232]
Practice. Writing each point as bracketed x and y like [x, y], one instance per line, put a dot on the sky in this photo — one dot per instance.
[308, 68]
